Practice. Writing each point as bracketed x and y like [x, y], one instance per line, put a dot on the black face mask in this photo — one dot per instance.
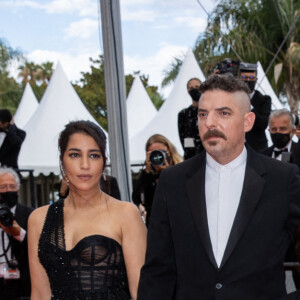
[195, 94]
[251, 85]
[280, 140]
[9, 198]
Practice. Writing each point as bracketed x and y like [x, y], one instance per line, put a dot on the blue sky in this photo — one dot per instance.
[154, 31]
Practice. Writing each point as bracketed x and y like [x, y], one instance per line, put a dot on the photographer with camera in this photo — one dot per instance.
[260, 105]
[14, 270]
[11, 139]
[188, 120]
[160, 154]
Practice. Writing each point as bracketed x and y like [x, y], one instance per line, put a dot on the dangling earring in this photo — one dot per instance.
[104, 176]
[67, 180]
[65, 177]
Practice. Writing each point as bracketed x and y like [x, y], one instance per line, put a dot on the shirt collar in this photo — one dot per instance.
[238, 161]
[13, 209]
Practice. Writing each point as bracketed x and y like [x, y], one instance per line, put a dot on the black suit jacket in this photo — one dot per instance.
[9, 151]
[19, 249]
[180, 263]
[256, 137]
[295, 153]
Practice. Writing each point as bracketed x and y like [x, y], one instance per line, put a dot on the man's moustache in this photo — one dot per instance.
[214, 133]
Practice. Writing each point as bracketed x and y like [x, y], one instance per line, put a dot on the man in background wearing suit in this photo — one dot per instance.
[222, 220]
[14, 270]
[11, 139]
[187, 122]
[282, 129]
[260, 105]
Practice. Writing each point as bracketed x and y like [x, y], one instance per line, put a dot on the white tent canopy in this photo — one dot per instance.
[263, 85]
[140, 109]
[60, 105]
[26, 108]
[165, 121]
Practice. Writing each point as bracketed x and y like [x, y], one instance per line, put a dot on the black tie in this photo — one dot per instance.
[277, 153]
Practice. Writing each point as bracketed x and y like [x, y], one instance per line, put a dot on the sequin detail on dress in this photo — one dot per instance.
[93, 270]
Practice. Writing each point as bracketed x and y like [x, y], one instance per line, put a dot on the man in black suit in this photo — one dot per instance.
[282, 129]
[260, 105]
[14, 269]
[11, 139]
[221, 221]
[187, 122]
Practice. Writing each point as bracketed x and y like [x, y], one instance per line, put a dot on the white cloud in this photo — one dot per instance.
[20, 4]
[138, 15]
[155, 64]
[196, 23]
[84, 28]
[73, 65]
[136, 2]
[81, 7]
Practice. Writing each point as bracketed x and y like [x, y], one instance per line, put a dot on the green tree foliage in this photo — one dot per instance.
[37, 75]
[251, 31]
[91, 90]
[10, 90]
[7, 54]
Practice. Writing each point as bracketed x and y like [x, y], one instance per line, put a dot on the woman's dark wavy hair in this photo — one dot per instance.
[86, 127]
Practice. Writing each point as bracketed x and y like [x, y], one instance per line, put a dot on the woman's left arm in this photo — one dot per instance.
[134, 235]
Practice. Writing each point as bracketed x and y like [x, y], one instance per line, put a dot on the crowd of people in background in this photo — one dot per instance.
[221, 220]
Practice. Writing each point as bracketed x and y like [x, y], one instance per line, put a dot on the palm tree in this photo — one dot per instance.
[255, 30]
[45, 72]
[29, 72]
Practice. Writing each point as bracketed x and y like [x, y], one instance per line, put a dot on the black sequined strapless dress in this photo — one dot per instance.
[93, 270]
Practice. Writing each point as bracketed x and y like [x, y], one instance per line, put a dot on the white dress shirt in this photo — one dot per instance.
[2, 137]
[288, 147]
[223, 189]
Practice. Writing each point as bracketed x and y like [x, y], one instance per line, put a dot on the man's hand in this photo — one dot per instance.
[15, 230]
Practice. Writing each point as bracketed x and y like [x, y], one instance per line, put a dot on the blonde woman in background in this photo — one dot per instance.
[160, 154]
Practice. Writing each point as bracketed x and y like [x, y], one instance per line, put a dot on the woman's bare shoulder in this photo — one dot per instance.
[126, 212]
[123, 207]
[38, 215]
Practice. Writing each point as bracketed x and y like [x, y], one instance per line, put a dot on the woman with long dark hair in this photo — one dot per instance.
[88, 246]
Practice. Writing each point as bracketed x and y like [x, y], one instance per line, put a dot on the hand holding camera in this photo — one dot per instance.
[157, 160]
[14, 229]
[7, 222]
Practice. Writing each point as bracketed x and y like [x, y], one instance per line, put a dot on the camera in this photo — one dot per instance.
[6, 216]
[247, 67]
[157, 157]
[228, 66]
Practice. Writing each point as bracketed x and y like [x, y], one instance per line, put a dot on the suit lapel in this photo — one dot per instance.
[251, 193]
[195, 186]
